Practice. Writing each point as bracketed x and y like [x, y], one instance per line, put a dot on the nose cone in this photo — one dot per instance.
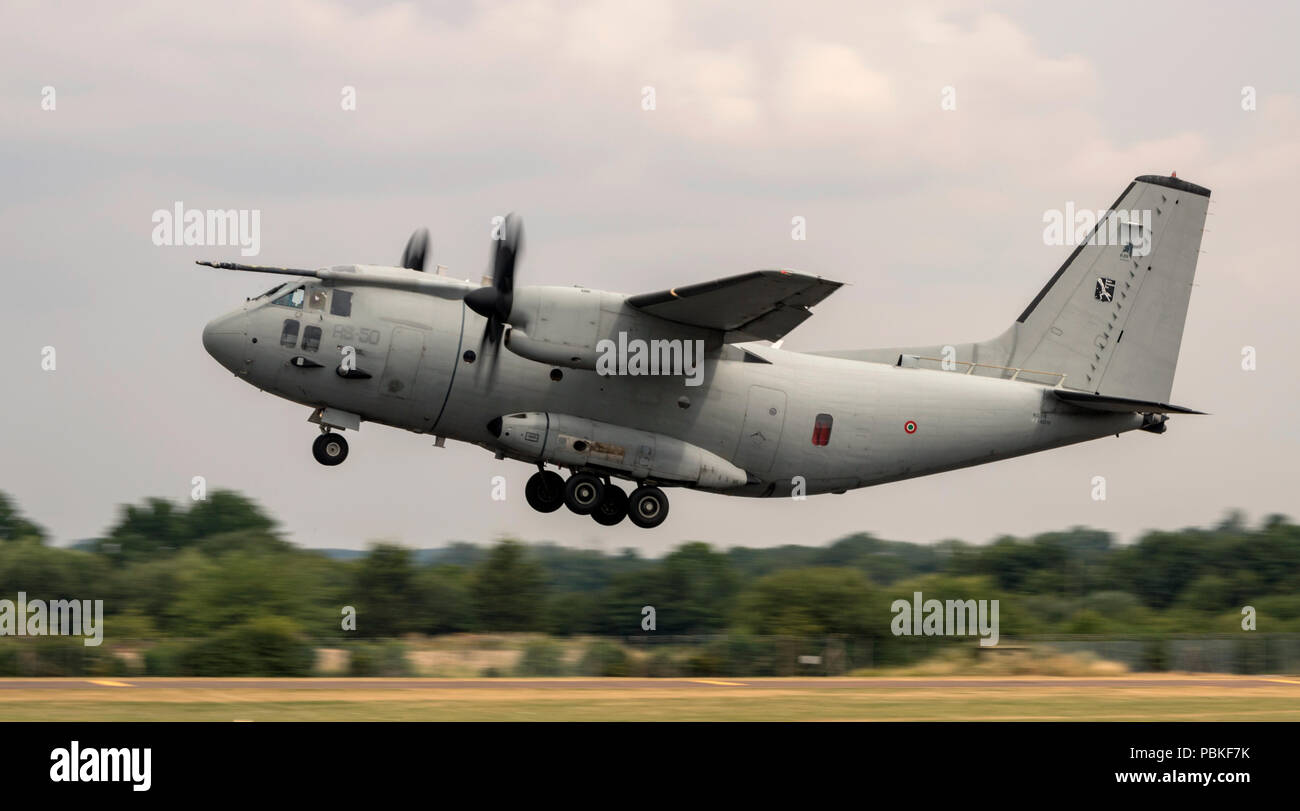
[224, 339]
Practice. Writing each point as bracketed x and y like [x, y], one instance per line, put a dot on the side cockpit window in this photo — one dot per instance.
[293, 298]
[289, 335]
[316, 299]
[341, 303]
[311, 339]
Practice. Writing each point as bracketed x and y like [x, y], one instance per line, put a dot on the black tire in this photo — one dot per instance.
[582, 492]
[545, 491]
[330, 449]
[647, 507]
[612, 507]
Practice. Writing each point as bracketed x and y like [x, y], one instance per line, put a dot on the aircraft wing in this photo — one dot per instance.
[761, 305]
[365, 276]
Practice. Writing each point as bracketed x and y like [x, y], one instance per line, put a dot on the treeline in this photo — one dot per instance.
[219, 568]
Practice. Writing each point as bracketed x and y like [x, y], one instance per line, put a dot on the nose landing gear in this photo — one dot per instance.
[330, 449]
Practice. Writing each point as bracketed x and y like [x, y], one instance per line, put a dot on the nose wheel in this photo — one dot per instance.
[330, 449]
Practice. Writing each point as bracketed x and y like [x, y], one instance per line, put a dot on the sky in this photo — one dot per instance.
[762, 112]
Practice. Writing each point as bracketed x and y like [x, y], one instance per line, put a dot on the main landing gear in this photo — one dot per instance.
[647, 507]
[330, 449]
[585, 493]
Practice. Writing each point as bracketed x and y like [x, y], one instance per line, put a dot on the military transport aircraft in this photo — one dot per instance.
[688, 387]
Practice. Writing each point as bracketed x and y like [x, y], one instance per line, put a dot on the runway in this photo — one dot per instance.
[1132, 697]
[803, 683]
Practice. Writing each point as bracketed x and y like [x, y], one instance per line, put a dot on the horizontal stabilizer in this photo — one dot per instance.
[1101, 402]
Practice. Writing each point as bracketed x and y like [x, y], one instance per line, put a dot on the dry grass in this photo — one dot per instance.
[1026, 661]
[1163, 698]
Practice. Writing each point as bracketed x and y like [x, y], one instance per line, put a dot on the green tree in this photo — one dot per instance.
[13, 526]
[146, 531]
[508, 590]
[225, 511]
[1209, 592]
[693, 591]
[813, 602]
[242, 586]
[441, 600]
[47, 572]
[385, 592]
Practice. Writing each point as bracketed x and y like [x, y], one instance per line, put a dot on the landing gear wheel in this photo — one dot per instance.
[612, 507]
[545, 491]
[330, 449]
[582, 492]
[647, 507]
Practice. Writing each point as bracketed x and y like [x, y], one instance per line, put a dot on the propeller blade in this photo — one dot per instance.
[495, 302]
[508, 248]
[489, 350]
[417, 248]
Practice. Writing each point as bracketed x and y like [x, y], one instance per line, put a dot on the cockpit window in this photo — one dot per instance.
[341, 304]
[311, 339]
[289, 335]
[293, 298]
[316, 299]
[275, 289]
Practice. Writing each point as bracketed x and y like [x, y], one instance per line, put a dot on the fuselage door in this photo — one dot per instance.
[761, 433]
[405, 351]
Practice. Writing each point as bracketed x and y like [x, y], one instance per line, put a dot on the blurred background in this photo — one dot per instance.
[211, 588]
[831, 111]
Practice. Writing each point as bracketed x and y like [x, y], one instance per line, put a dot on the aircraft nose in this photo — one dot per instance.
[224, 339]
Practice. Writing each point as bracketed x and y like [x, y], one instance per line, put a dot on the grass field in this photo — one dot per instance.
[1162, 699]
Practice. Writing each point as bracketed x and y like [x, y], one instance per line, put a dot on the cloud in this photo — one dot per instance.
[829, 111]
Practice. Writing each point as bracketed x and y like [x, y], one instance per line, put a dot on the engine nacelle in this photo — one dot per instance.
[570, 441]
[551, 353]
[557, 326]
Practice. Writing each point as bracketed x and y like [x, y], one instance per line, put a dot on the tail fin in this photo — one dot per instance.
[1111, 319]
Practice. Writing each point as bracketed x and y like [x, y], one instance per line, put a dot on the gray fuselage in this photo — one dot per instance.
[759, 407]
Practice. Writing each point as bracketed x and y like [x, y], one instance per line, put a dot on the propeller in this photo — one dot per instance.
[496, 301]
[417, 248]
